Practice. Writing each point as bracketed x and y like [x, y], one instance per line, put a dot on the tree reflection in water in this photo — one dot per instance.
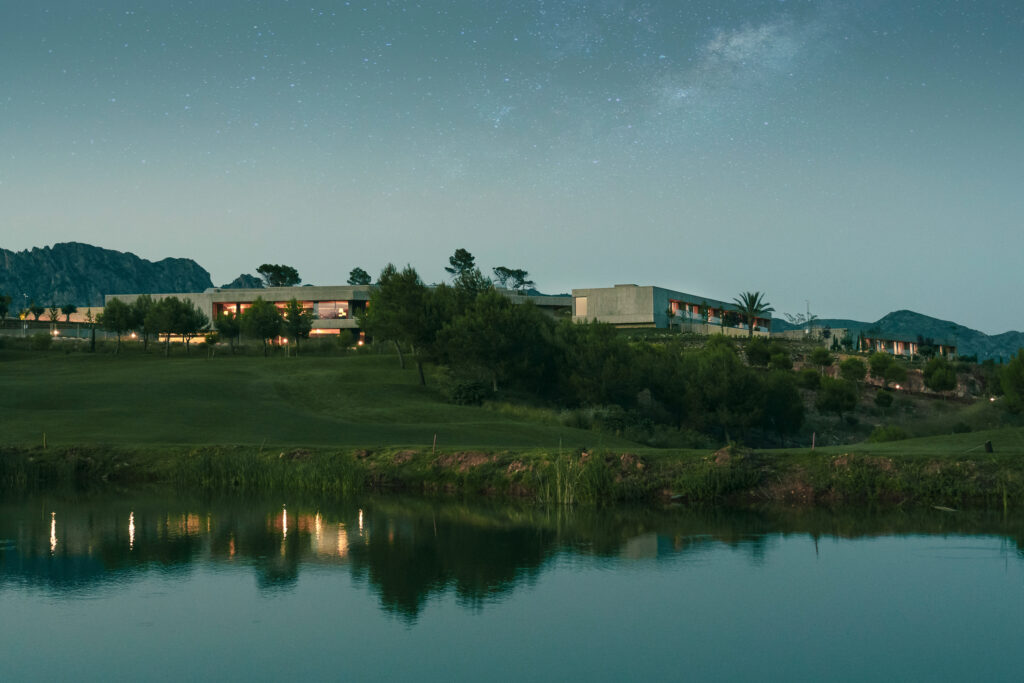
[404, 550]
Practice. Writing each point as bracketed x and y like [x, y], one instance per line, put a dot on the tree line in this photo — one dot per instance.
[487, 345]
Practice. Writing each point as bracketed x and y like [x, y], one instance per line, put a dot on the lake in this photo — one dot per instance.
[163, 587]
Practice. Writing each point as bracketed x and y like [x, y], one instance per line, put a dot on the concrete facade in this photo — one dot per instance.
[334, 307]
[649, 306]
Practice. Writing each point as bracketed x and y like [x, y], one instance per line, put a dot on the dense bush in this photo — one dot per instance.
[887, 433]
[809, 379]
[41, 342]
[884, 399]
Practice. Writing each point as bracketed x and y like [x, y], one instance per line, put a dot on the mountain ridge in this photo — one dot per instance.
[906, 324]
[82, 274]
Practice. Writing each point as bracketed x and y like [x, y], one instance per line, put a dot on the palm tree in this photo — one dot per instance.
[752, 305]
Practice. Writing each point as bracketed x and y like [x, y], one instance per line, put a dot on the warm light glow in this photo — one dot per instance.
[131, 530]
[992, 399]
[284, 527]
[231, 546]
[56, 332]
[359, 343]
[53, 532]
[133, 335]
[898, 386]
[318, 526]
[342, 541]
[360, 521]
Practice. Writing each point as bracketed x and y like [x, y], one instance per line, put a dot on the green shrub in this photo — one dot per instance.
[41, 342]
[884, 399]
[853, 369]
[758, 351]
[468, 393]
[578, 419]
[882, 434]
[809, 379]
[781, 361]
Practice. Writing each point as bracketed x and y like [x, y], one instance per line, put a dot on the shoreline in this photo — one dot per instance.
[731, 476]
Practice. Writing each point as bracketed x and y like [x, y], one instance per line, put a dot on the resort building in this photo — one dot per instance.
[901, 346]
[635, 306]
[334, 308]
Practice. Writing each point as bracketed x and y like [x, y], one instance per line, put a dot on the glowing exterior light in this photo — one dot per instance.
[131, 530]
[342, 541]
[53, 532]
[360, 521]
[284, 527]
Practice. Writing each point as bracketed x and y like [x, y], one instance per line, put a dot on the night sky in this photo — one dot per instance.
[862, 156]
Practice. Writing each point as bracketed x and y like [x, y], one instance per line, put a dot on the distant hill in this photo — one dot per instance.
[81, 274]
[244, 281]
[908, 325]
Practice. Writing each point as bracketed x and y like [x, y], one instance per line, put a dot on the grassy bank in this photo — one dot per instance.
[135, 399]
[945, 471]
[336, 424]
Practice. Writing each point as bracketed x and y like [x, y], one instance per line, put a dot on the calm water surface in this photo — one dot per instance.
[160, 588]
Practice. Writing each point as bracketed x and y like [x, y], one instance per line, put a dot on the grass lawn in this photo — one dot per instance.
[140, 399]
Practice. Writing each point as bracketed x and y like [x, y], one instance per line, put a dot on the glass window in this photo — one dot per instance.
[331, 310]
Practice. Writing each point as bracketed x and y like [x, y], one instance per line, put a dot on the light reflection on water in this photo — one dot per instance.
[526, 592]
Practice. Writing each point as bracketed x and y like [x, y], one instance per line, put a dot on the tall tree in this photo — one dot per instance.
[783, 407]
[192, 321]
[1011, 380]
[53, 313]
[502, 276]
[262, 320]
[460, 262]
[358, 276]
[752, 305]
[141, 307]
[503, 340]
[298, 321]
[515, 279]
[68, 310]
[229, 327]
[276, 275]
[117, 318]
[469, 284]
[173, 316]
[35, 310]
[396, 307]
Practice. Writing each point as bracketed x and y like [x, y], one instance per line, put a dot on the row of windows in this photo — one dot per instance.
[322, 310]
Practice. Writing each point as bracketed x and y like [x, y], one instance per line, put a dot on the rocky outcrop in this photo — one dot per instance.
[81, 274]
[244, 281]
